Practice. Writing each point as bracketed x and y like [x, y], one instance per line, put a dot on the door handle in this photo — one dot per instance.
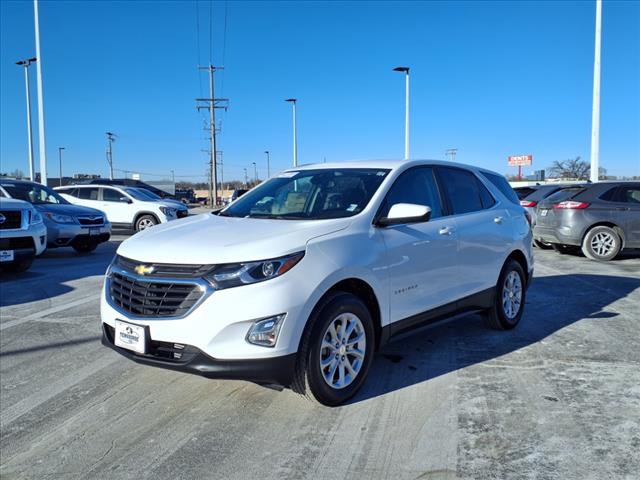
[498, 220]
[622, 209]
[445, 231]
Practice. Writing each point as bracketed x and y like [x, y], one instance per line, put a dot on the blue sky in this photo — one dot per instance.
[489, 78]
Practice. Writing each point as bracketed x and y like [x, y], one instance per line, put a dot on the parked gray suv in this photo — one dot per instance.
[81, 228]
[601, 218]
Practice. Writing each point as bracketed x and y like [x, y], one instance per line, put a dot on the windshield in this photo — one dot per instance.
[139, 194]
[310, 195]
[34, 193]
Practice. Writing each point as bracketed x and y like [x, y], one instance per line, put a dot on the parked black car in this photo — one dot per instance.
[600, 218]
[185, 195]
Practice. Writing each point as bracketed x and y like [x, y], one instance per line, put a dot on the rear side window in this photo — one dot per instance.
[417, 186]
[88, 193]
[501, 184]
[68, 191]
[630, 194]
[524, 192]
[464, 191]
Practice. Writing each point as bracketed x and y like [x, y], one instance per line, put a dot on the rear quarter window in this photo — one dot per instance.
[501, 184]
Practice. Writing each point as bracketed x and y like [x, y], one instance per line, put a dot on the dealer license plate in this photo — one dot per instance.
[94, 231]
[543, 213]
[6, 255]
[130, 336]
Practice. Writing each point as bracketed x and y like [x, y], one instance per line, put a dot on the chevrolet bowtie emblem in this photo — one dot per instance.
[144, 269]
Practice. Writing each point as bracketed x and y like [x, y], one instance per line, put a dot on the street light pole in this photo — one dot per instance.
[255, 172]
[43, 148]
[406, 110]
[295, 134]
[268, 162]
[60, 149]
[25, 64]
[595, 114]
[246, 179]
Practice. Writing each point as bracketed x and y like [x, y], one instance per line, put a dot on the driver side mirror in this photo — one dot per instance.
[126, 200]
[405, 213]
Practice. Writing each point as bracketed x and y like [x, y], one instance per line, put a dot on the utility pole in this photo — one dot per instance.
[25, 64]
[406, 109]
[43, 148]
[111, 137]
[268, 164]
[451, 152]
[255, 173]
[293, 101]
[246, 179]
[60, 149]
[212, 105]
[595, 114]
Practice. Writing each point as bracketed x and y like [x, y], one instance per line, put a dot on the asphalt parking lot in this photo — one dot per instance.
[557, 398]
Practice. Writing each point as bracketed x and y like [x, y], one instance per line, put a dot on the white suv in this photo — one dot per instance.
[302, 279]
[125, 207]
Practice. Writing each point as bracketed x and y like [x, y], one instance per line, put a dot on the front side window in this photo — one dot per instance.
[462, 189]
[111, 195]
[34, 193]
[418, 186]
[310, 195]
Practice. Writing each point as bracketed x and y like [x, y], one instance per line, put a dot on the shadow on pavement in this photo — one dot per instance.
[553, 303]
[49, 346]
[50, 272]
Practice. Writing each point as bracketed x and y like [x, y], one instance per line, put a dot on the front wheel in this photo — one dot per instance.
[336, 351]
[508, 305]
[145, 221]
[601, 243]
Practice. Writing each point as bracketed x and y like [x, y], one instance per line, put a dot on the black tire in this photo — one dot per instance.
[145, 221]
[565, 249]
[19, 266]
[601, 243]
[498, 316]
[85, 247]
[542, 245]
[309, 379]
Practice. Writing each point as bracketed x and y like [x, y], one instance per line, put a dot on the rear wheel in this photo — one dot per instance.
[542, 245]
[336, 351]
[508, 305]
[145, 221]
[601, 243]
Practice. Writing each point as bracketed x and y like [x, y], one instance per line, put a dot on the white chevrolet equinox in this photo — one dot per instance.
[302, 279]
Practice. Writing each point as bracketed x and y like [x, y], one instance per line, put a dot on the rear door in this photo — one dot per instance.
[420, 257]
[88, 197]
[625, 202]
[483, 229]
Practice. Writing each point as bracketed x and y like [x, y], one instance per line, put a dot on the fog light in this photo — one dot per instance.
[265, 332]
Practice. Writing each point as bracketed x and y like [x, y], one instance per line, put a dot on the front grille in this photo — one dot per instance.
[12, 219]
[91, 220]
[15, 243]
[165, 269]
[152, 299]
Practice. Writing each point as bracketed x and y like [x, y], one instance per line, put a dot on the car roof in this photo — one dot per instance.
[384, 164]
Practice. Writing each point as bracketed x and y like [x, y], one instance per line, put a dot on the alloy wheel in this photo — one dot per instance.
[603, 244]
[343, 350]
[512, 295]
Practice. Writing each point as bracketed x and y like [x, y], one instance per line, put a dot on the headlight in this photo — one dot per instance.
[35, 217]
[236, 274]
[58, 218]
[168, 211]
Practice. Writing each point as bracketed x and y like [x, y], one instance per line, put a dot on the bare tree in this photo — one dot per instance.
[575, 169]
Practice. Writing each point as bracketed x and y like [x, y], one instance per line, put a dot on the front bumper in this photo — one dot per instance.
[267, 371]
[64, 235]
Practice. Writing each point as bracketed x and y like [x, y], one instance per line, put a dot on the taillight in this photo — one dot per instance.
[569, 204]
[527, 203]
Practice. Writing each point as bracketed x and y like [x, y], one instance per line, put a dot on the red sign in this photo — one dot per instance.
[520, 160]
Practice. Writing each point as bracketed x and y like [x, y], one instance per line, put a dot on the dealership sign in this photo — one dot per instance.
[520, 160]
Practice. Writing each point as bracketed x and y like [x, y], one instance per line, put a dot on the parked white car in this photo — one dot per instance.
[299, 281]
[125, 207]
[23, 235]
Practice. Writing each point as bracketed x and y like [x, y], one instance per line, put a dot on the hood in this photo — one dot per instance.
[67, 209]
[13, 203]
[174, 203]
[210, 239]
